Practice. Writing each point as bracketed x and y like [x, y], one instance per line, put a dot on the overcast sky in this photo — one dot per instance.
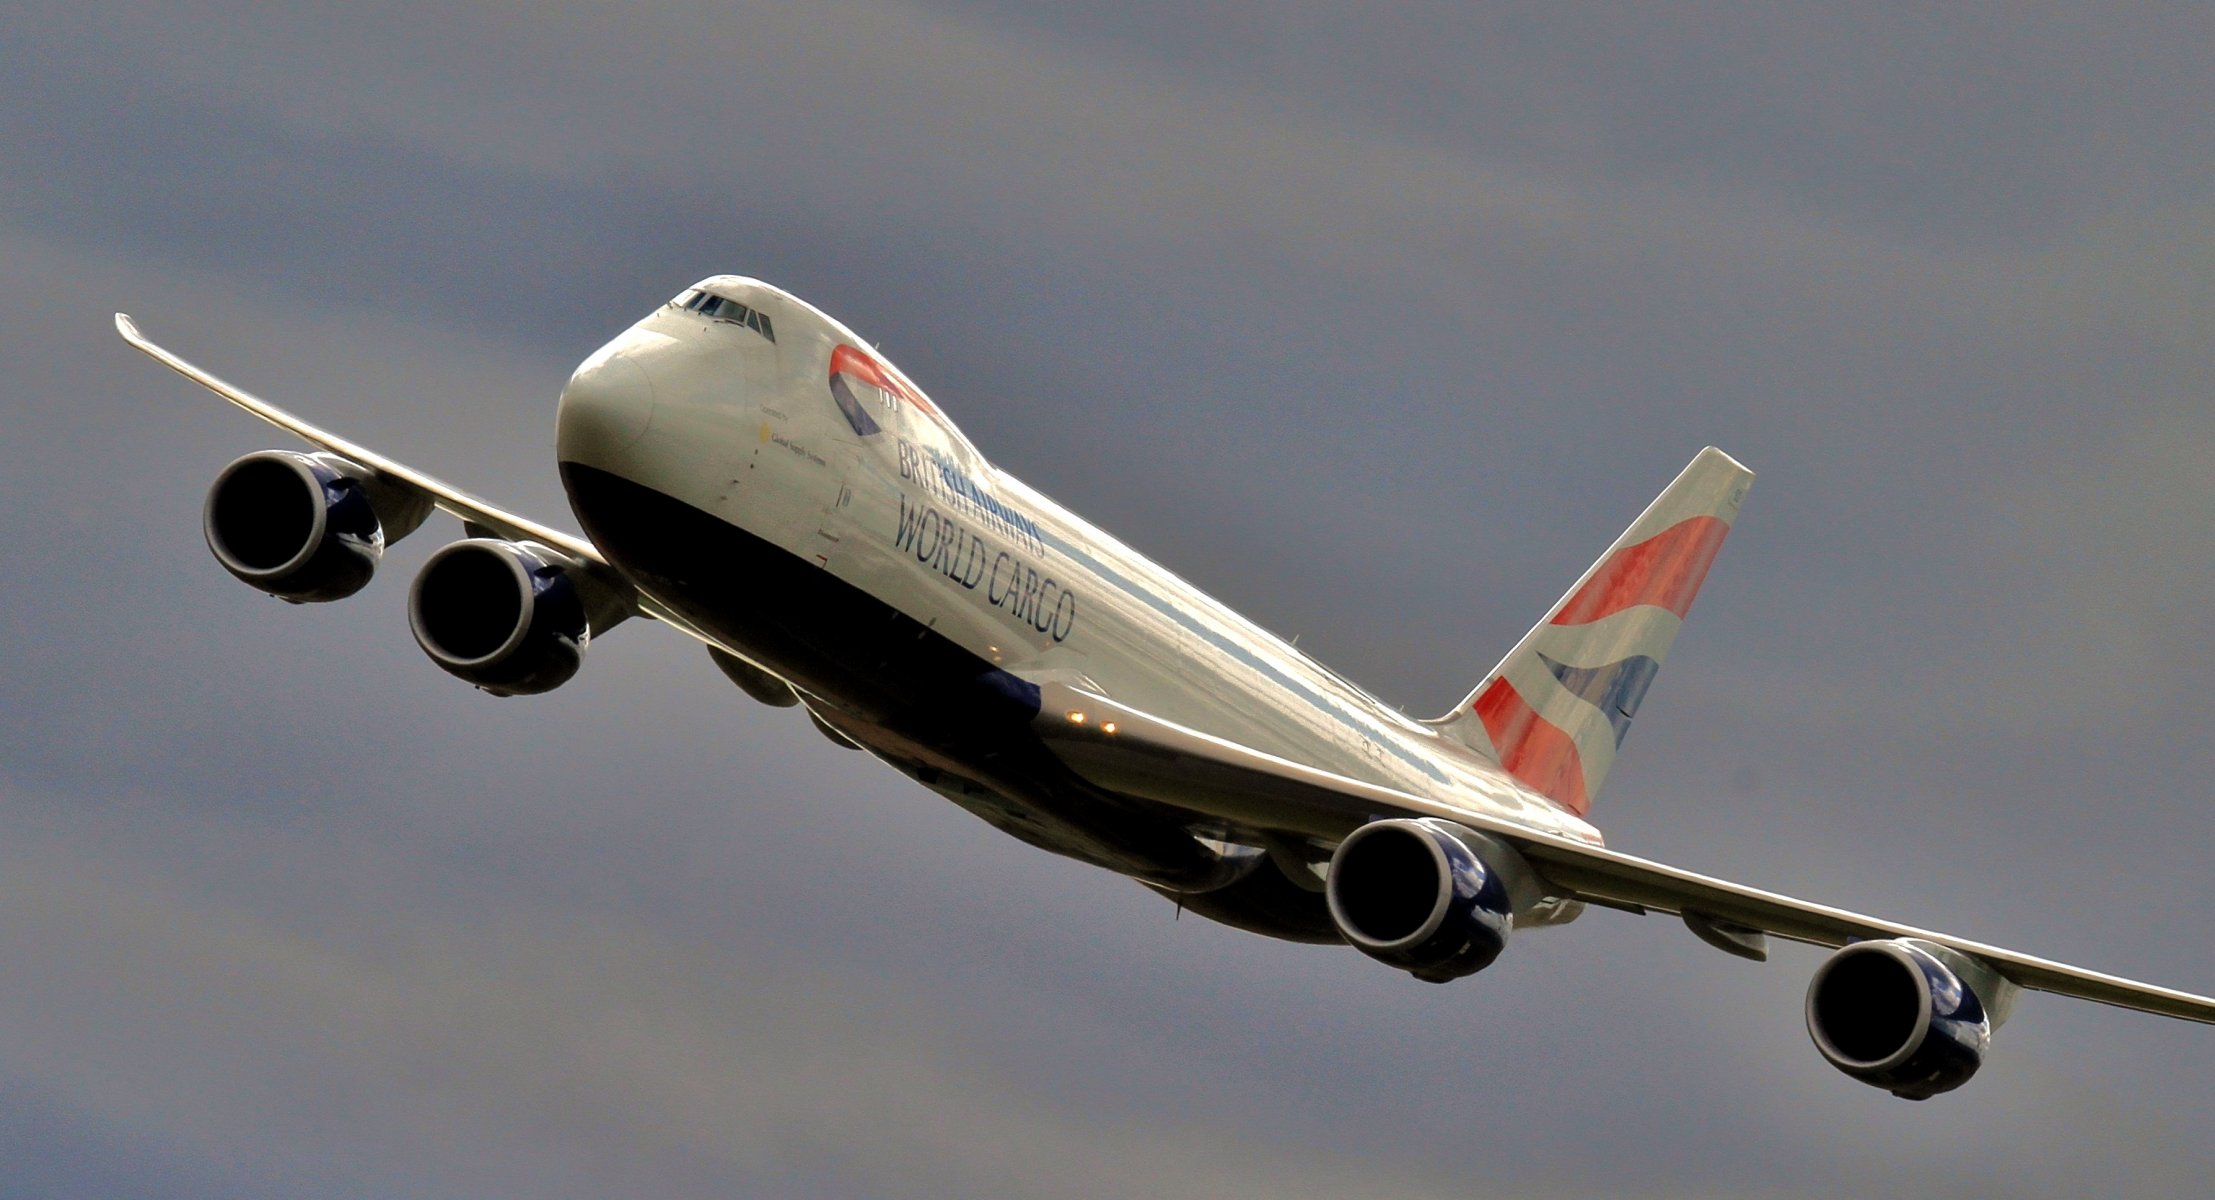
[1378, 327]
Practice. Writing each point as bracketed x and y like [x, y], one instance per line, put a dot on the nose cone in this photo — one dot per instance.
[605, 410]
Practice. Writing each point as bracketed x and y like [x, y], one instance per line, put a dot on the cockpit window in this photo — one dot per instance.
[723, 308]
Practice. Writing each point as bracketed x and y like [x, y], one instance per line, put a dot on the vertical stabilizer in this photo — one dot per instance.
[1556, 708]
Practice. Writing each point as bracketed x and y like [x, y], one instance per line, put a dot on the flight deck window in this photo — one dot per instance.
[722, 308]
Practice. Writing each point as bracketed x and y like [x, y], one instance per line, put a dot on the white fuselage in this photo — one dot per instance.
[791, 430]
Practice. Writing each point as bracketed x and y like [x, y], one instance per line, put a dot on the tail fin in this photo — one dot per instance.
[1555, 709]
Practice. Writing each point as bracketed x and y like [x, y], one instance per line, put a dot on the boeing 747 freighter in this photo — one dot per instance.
[754, 475]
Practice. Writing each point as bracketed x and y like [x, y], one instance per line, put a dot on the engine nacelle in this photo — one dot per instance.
[1262, 900]
[304, 527]
[1428, 896]
[505, 616]
[1909, 1016]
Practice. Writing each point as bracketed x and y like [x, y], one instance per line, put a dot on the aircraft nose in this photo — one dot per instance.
[605, 409]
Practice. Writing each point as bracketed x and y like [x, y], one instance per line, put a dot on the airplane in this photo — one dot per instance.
[755, 475]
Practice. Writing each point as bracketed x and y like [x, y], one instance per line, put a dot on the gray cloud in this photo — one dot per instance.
[1394, 327]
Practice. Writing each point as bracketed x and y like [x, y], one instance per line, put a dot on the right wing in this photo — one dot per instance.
[477, 516]
[475, 513]
[1123, 749]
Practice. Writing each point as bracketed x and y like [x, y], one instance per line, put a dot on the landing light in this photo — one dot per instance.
[1076, 717]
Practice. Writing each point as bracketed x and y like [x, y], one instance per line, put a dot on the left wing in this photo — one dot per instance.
[1123, 749]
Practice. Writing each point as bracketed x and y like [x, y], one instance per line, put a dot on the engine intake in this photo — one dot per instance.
[1430, 897]
[304, 527]
[1909, 1016]
[505, 616]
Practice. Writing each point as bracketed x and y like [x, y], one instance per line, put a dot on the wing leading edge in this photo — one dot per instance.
[1120, 748]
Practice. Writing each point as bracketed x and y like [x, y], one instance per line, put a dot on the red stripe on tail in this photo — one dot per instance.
[1533, 749]
[1665, 570]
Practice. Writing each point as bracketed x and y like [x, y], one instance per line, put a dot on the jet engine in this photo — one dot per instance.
[1427, 896]
[1260, 898]
[304, 527]
[509, 617]
[1909, 1016]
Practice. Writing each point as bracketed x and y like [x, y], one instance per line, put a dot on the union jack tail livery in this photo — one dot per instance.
[1556, 708]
